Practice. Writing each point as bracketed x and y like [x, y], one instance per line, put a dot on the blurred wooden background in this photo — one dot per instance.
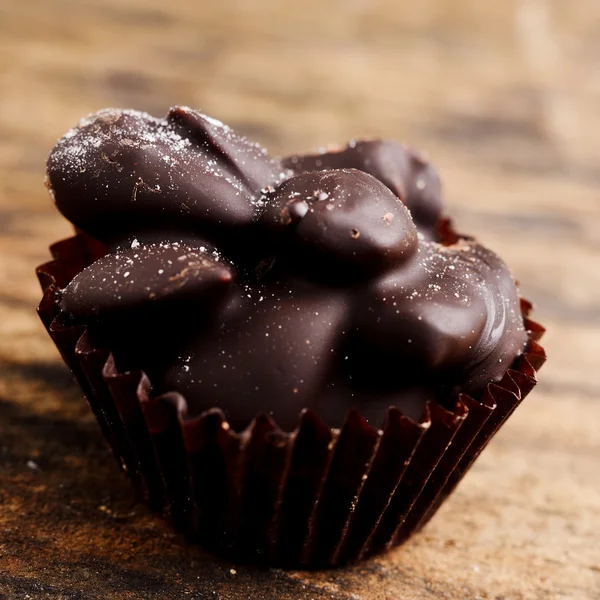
[504, 96]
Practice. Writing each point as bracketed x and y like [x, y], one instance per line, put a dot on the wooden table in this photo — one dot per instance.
[503, 95]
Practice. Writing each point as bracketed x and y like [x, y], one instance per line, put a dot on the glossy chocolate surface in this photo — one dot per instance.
[405, 172]
[266, 286]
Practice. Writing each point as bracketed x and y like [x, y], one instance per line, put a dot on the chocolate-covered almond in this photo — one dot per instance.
[405, 172]
[122, 172]
[449, 315]
[145, 275]
[341, 220]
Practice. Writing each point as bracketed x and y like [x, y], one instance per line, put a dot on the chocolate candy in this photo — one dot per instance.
[143, 275]
[121, 173]
[340, 220]
[261, 286]
[405, 172]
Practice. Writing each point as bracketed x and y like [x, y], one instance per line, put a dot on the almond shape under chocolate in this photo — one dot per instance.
[408, 174]
[340, 221]
[121, 172]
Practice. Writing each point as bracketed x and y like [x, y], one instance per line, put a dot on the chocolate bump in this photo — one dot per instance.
[144, 276]
[122, 172]
[340, 222]
[406, 173]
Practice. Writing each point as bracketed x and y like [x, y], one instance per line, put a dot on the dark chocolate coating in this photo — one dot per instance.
[144, 275]
[315, 291]
[121, 173]
[274, 356]
[408, 174]
[340, 220]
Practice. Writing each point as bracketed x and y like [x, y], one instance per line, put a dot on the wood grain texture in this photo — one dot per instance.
[504, 96]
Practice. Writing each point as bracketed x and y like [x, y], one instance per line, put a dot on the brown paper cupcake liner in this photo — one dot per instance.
[313, 497]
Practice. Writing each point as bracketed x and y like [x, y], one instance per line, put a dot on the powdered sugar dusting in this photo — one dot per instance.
[216, 122]
[117, 131]
[200, 164]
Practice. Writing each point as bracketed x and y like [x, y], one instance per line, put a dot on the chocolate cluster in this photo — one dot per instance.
[260, 285]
